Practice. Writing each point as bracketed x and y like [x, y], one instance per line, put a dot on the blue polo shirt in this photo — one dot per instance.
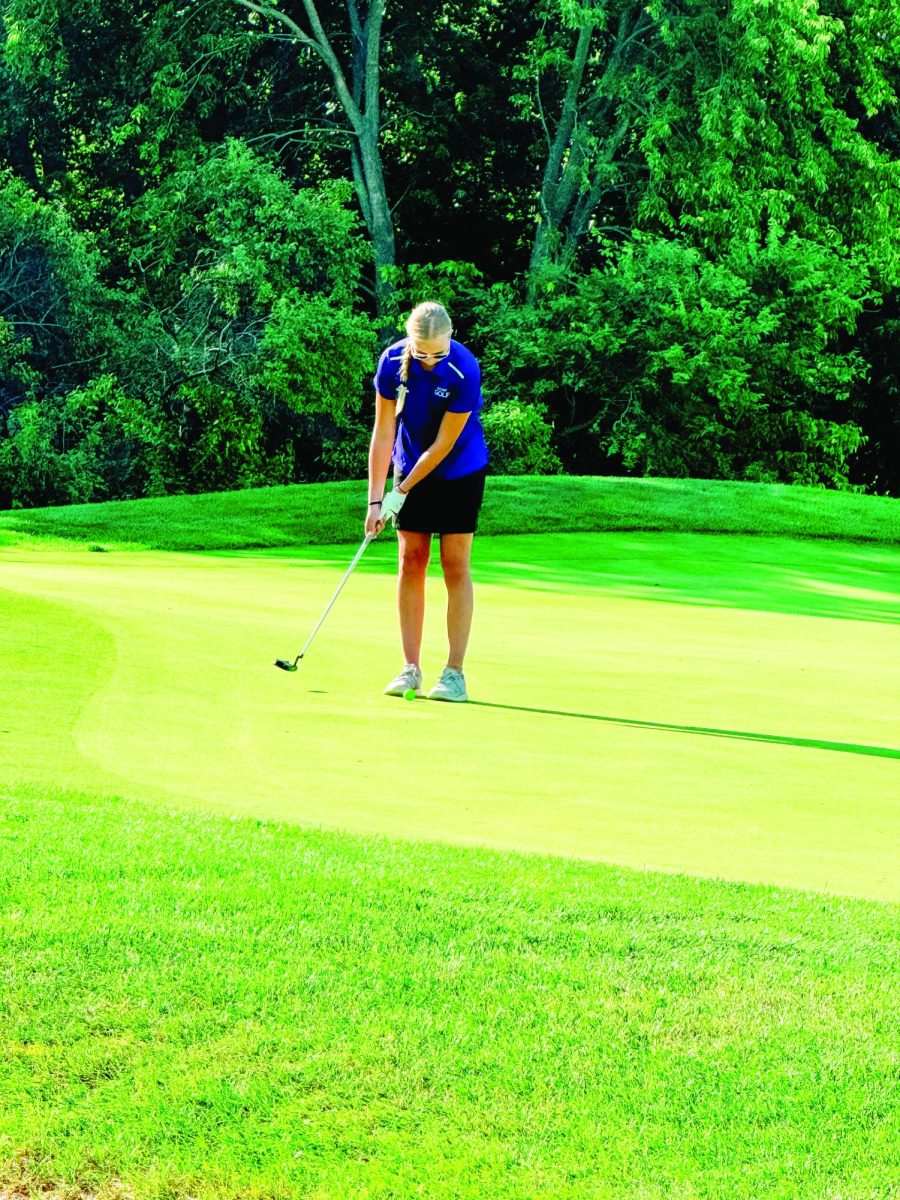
[453, 385]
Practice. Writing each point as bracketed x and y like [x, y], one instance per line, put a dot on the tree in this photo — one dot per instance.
[360, 98]
[676, 364]
[103, 91]
[51, 293]
[706, 192]
[455, 150]
[589, 85]
[762, 133]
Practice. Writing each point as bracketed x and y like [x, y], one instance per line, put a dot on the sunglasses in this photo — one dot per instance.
[417, 354]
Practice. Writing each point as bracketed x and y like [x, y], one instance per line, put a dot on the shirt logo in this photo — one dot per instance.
[444, 393]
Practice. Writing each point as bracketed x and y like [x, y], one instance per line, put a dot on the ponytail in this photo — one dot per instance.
[404, 376]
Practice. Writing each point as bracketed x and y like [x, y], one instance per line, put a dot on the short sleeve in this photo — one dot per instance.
[385, 380]
[467, 393]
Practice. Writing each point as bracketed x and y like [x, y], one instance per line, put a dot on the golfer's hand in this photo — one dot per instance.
[374, 521]
[391, 505]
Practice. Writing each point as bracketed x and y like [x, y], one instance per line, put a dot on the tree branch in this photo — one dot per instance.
[265, 10]
[599, 184]
[566, 120]
[350, 107]
[359, 183]
[540, 108]
[355, 25]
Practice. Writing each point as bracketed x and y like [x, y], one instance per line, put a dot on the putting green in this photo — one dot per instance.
[710, 705]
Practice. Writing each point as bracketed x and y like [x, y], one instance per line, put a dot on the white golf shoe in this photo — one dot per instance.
[450, 686]
[410, 678]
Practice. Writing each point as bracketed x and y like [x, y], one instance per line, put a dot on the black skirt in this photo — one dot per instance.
[443, 505]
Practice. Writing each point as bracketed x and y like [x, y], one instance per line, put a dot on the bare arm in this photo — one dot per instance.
[380, 448]
[381, 445]
[452, 426]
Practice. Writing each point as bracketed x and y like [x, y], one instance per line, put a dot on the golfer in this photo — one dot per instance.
[427, 401]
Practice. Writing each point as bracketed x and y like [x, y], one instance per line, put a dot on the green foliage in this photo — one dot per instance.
[762, 138]
[519, 436]
[50, 280]
[315, 356]
[345, 448]
[244, 316]
[87, 444]
[679, 365]
[103, 91]
[454, 284]
[708, 195]
[239, 317]
[15, 374]
[876, 399]
[225, 443]
[240, 229]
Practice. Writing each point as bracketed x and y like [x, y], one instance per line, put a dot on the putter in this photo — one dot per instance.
[284, 663]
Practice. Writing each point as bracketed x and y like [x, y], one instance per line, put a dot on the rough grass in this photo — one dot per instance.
[321, 514]
[196, 1006]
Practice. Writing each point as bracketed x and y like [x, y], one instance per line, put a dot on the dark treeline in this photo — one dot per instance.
[669, 230]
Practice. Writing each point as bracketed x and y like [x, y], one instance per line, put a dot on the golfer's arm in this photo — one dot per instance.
[381, 445]
[452, 426]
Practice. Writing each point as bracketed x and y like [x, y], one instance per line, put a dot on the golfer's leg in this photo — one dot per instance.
[415, 550]
[456, 557]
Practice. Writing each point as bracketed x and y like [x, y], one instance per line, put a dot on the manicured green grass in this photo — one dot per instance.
[703, 704]
[328, 513]
[205, 1007]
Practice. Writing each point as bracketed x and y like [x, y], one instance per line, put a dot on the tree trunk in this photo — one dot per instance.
[360, 100]
[551, 215]
[380, 222]
[576, 174]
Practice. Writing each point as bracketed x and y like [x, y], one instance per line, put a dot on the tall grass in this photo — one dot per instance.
[197, 1006]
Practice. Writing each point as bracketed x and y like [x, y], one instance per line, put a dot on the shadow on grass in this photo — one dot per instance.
[799, 577]
[781, 575]
[702, 731]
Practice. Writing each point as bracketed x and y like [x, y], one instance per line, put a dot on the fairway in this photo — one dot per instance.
[717, 706]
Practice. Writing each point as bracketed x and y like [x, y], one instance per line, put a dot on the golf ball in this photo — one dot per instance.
[409, 694]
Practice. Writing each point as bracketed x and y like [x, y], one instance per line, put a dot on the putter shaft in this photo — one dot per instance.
[283, 663]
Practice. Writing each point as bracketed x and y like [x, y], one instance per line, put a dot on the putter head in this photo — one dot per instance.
[285, 665]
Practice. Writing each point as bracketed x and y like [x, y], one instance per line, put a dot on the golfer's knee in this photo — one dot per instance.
[413, 562]
[456, 574]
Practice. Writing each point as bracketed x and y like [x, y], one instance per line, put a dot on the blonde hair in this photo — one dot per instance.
[426, 321]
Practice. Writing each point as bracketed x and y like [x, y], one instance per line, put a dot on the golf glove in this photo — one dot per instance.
[391, 505]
